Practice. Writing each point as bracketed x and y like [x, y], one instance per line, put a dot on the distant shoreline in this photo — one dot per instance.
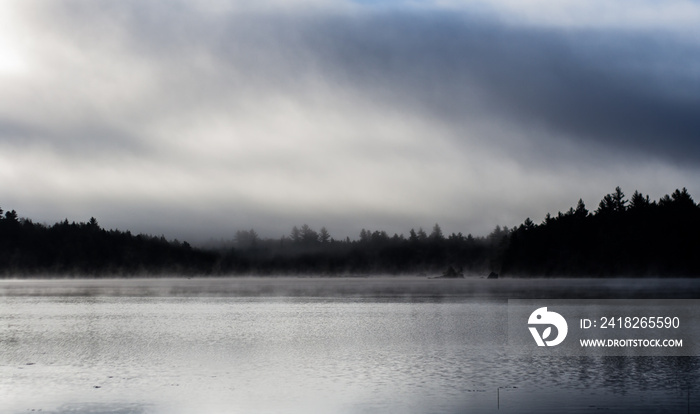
[622, 238]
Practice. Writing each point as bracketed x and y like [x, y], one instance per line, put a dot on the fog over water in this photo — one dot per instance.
[360, 287]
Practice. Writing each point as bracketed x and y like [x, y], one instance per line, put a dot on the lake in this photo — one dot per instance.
[310, 345]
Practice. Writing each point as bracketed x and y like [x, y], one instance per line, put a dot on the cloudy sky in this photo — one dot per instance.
[194, 119]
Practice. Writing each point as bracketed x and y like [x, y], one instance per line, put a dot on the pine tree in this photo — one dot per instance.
[638, 201]
[436, 234]
[323, 235]
[295, 235]
[581, 211]
[619, 202]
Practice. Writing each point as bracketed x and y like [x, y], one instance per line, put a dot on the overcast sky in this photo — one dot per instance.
[194, 119]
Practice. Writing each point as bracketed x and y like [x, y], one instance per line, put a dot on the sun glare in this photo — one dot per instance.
[12, 59]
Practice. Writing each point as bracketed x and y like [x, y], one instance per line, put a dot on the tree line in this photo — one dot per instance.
[306, 251]
[86, 249]
[635, 237]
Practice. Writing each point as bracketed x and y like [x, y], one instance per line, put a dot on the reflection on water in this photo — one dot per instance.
[159, 354]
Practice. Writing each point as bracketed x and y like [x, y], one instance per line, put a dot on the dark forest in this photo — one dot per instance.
[622, 237]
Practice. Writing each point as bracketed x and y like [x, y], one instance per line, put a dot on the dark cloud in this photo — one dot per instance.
[632, 91]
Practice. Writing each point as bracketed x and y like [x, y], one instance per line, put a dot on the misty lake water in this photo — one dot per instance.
[399, 345]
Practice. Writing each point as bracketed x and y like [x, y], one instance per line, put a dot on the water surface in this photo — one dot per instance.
[359, 346]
